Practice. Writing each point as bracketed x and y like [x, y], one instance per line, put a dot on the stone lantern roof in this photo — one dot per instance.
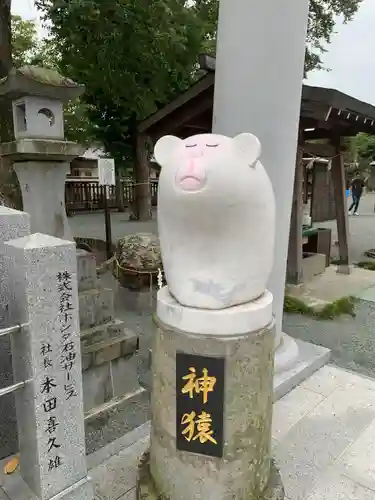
[39, 82]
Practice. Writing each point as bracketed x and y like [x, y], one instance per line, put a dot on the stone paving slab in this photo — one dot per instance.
[329, 378]
[323, 440]
[358, 463]
[291, 409]
[116, 477]
[337, 487]
[318, 440]
[327, 450]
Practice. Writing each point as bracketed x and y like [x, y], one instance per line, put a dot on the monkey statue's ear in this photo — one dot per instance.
[249, 147]
[165, 148]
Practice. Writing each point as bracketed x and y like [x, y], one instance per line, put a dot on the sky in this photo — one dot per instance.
[350, 55]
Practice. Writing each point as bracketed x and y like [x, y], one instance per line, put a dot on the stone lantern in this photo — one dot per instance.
[40, 154]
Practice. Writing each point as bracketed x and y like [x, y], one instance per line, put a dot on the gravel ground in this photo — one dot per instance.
[352, 341]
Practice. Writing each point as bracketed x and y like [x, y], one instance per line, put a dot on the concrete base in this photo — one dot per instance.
[344, 269]
[146, 489]
[312, 265]
[43, 194]
[310, 358]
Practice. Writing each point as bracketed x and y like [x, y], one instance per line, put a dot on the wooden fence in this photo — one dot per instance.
[89, 195]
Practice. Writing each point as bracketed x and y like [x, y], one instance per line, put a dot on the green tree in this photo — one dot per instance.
[25, 42]
[132, 56]
[19, 46]
[28, 49]
[5, 37]
[321, 25]
[9, 187]
[364, 145]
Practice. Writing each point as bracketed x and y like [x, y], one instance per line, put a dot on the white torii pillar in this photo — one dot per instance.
[258, 85]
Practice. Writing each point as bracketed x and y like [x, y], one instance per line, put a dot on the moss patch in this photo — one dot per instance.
[364, 264]
[367, 264]
[341, 307]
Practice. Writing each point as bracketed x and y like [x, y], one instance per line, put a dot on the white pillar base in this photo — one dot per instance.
[295, 361]
[286, 354]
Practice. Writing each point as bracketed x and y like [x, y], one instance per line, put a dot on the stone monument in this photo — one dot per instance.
[213, 352]
[46, 356]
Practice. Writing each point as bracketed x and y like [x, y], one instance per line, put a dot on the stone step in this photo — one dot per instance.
[113, 420]
[106, 343]
[96, 306]
[109, 381]
[103, 331]
[86, 270]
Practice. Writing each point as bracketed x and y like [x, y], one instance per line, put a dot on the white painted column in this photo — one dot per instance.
[258, 85]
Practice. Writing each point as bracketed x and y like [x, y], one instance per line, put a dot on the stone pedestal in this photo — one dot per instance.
[41, 166]
[243, 468]
[43, 194]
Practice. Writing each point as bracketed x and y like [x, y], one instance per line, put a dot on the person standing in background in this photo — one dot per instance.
[357, 186]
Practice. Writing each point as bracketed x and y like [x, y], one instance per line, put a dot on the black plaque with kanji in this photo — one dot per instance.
[200, 404]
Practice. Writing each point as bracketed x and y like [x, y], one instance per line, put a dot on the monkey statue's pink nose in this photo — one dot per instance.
[191, 167]
[192, 175]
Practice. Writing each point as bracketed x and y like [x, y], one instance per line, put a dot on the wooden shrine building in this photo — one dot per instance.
[327, 116]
